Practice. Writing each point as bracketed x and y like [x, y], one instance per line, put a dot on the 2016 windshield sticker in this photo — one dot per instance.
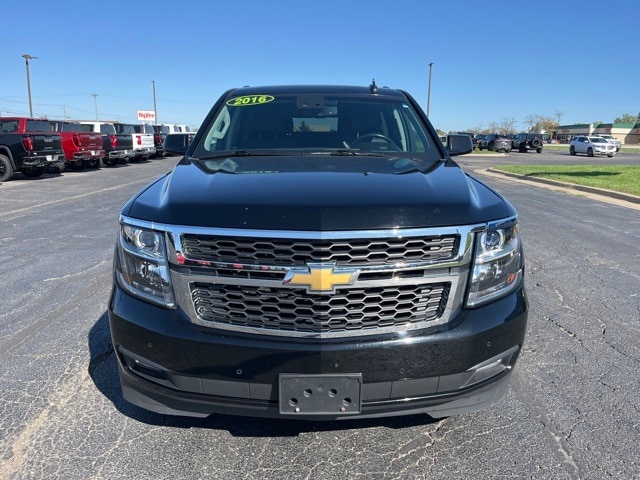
[249, 100]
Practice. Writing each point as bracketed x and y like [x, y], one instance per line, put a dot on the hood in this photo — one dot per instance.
[318, 201]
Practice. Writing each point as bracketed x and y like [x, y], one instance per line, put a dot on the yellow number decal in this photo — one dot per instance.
[249, 100]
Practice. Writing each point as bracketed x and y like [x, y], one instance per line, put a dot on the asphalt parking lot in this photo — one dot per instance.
[571, 411]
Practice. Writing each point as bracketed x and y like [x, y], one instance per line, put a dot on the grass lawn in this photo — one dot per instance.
[620, 178]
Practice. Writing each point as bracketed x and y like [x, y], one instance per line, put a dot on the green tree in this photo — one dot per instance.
[627, 118]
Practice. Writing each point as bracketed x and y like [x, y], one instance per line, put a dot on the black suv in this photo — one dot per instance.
[317, 254]
[528, 141]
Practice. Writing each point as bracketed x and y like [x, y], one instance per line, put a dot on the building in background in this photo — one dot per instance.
[627, 133]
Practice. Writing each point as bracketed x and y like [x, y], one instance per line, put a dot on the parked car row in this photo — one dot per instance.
[34, 146]
[523, 142]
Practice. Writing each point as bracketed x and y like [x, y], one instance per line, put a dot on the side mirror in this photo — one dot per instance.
[459, 144]
[177, 143]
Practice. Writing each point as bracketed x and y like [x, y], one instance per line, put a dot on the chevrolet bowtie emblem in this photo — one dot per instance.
[320, 277]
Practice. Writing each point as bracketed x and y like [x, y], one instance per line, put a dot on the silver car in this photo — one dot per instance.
[611, 139]
[591, 146]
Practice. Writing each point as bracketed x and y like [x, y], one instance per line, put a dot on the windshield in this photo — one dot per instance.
[315, 124]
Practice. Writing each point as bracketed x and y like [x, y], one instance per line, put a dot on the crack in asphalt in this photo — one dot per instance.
[558, 443]
[564, 329]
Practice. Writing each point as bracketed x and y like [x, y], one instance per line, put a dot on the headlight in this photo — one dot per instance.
[497, 266]
[141, 265]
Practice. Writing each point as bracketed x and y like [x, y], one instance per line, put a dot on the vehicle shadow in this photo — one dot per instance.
[104, 373]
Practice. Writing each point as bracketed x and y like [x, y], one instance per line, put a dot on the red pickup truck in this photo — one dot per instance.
[81, 149]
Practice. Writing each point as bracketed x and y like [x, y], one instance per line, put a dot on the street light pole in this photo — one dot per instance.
[155, 109]
[95, 101]
[429, 91]
[28, 57]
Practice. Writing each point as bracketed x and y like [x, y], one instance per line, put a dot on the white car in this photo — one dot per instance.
[611, 139]
[591, 146]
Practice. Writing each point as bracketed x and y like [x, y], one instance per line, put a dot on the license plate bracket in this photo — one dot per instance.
[320, 394]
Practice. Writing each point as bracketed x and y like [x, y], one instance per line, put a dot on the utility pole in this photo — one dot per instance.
[95, 101]
[28, 57]
[558, 114]
[429, 91]
[155, 109]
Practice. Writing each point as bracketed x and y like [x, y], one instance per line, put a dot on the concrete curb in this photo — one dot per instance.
[571, 186]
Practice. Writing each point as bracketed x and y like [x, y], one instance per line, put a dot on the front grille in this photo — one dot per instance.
[285, 283]
[296, 310]
[292, 252]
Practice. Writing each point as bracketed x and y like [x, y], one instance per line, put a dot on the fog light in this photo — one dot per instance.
[492, 367]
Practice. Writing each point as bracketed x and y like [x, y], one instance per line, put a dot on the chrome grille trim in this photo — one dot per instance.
[287, 251]
[461, 255]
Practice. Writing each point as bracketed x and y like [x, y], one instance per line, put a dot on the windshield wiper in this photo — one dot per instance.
[237, 153]
[349, 152]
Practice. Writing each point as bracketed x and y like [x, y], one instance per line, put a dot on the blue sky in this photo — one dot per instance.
[491, 60]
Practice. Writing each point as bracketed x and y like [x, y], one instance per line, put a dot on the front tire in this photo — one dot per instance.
[590, 152]
[6, 169]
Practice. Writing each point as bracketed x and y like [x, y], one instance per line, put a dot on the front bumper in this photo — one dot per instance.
[604, 151]
[171, 366]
